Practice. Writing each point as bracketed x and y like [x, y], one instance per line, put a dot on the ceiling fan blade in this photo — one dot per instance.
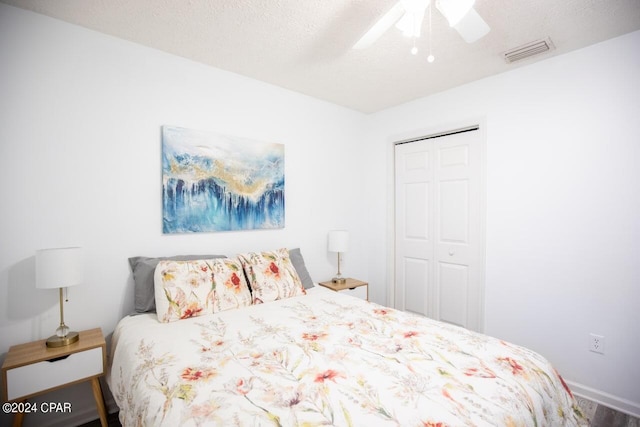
[380, 27]
[472, 27]
[454, 10]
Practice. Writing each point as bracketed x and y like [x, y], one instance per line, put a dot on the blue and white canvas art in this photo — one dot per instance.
[213, 182]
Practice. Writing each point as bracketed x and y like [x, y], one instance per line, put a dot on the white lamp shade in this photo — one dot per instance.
[58, 268]
[338, 241]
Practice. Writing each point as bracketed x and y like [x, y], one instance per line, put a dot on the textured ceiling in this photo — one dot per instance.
[305, 45]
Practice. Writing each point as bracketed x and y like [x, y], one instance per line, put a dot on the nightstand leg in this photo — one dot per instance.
[17, 419]
[97, 394]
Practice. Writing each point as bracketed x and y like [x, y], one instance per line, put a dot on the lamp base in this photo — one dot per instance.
[56, 341]
[340, 280]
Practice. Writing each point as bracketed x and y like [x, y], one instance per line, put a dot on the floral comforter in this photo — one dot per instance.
[328, 359]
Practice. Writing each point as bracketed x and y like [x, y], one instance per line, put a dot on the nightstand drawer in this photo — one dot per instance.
[359, 292]
[37, 377]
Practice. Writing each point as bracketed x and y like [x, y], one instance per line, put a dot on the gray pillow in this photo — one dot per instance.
[298, 263]
[143, 269]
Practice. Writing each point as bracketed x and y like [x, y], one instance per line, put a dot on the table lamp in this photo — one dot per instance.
[59, 268]
[338, 242]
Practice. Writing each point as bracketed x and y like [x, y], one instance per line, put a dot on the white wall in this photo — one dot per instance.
[563, 207]
[80, 118]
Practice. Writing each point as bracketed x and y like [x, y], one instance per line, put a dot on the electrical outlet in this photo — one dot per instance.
[596, 343]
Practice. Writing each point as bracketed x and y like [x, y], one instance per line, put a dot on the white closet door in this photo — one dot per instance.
[439, 262]
[414, 227]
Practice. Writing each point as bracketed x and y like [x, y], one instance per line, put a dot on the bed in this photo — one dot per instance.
[324, 358]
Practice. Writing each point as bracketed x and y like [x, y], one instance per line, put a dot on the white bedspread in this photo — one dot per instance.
[328, 359]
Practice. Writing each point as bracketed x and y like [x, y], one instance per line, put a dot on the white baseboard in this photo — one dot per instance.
[606, 399]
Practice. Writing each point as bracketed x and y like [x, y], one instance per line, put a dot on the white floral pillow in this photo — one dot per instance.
[231, 289]
[271, 276]
[183, 289]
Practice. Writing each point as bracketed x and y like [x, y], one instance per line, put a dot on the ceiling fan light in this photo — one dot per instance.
[454, 10]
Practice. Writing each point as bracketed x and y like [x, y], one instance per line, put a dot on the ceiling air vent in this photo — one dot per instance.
[528, 50]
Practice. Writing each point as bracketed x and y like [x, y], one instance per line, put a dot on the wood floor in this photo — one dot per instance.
[601, 416]
[598, 415]
[112, 419]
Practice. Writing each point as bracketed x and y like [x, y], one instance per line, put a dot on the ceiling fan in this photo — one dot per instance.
[409, 14]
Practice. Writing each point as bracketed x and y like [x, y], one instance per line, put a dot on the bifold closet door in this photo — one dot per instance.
[438, 263]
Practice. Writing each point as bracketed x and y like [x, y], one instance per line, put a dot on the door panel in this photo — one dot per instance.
[454, 211]
[453, 285]
[416, 272]
[416, 210]
[454, 156]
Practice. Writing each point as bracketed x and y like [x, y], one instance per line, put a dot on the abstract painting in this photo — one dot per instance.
[213, 182]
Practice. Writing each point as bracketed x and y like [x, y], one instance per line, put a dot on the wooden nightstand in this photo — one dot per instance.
[350, 288]
[32, 369]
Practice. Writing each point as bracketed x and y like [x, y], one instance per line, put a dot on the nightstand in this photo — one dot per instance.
[353, 287]
[32, 369]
